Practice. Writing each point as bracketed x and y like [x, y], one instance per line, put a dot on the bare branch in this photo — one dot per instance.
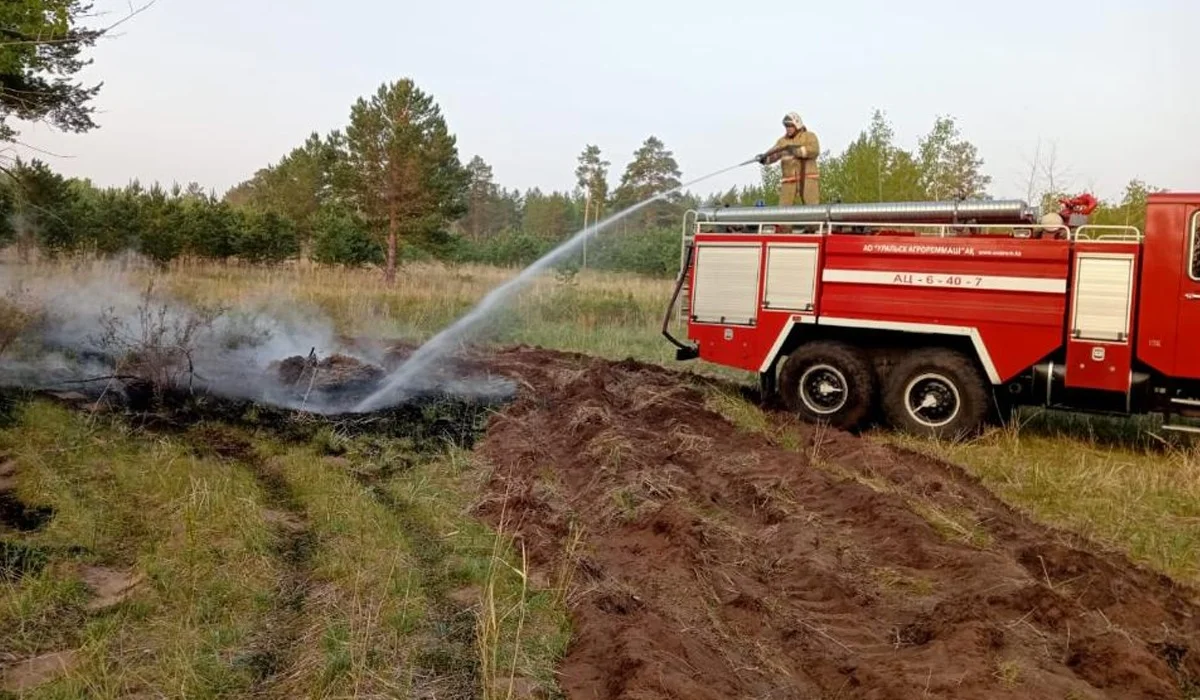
[40, 150]
[86, 36]
[1033, 169]
[119, 377]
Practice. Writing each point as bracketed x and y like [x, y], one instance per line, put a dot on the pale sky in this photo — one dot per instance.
[211, 90]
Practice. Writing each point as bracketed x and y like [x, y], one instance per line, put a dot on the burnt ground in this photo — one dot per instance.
[711, 563]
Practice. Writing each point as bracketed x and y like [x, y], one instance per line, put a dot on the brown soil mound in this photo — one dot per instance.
[714, 564]
[109, 586]
[333, 372]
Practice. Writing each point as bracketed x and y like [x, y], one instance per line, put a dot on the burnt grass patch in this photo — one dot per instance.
[20, 516]
[430, 421]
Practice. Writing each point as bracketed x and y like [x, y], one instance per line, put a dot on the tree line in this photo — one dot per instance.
[390, 185]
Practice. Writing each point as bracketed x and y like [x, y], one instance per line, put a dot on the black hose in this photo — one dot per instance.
[684, 352]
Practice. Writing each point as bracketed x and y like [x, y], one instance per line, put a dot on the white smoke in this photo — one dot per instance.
[79, 328]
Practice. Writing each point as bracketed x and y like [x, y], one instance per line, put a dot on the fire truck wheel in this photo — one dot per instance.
[828, 382]
[937, 392]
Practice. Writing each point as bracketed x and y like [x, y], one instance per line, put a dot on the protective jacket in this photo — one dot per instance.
[798, 157]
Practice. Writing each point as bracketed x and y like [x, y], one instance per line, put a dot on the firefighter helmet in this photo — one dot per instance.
[793, 119]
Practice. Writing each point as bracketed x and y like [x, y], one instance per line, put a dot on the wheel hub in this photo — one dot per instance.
[823, 389]
[932, 400]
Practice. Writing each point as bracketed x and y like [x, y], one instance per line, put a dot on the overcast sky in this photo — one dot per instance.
[211, 90]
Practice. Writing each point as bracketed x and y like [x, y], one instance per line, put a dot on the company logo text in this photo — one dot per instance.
[947, 250]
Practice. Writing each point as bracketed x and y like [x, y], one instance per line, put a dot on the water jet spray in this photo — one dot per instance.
[404, 378]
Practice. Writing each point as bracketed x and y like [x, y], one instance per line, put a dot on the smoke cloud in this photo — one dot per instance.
[100, 327]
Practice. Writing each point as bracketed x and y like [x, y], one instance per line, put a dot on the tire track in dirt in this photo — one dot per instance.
[270, 652]
[717, 565]
[448, 665]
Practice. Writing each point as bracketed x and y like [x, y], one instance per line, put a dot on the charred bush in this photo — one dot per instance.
[156, 347]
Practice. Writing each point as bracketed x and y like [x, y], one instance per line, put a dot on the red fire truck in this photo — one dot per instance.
[934, 316]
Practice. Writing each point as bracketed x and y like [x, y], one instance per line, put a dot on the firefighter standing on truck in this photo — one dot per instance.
[798, 150]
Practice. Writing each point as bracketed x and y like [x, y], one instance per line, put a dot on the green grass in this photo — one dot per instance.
[409, 574]
[190, 526]
[287, 571]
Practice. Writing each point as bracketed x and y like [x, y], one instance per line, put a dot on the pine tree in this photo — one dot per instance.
[298, 186]
[44, 202]
[591, 175]
[653, 171]
[403, 163]
[340, 238]
[548, 216]
[482, 195]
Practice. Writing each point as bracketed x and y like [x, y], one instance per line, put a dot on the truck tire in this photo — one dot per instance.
[828, 382]
[936, 392]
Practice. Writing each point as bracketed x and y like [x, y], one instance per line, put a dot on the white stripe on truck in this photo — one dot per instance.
[944, 280]
[985, 357]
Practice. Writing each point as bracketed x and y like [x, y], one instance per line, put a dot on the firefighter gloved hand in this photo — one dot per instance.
[761, 158]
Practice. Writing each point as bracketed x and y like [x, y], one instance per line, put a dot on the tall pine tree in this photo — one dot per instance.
[482, 195]
[403, 165]
[591, 175]
[652, 171]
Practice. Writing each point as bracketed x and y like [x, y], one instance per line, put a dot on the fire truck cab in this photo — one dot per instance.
[934, 316]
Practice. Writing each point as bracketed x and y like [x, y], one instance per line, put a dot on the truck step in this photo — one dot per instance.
[1182, 429]
[1186, 402]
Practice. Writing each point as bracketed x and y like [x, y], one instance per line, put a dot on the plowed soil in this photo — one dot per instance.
[709, 562]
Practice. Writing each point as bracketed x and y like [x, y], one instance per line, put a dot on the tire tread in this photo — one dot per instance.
[970, 382]
[854, 366]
